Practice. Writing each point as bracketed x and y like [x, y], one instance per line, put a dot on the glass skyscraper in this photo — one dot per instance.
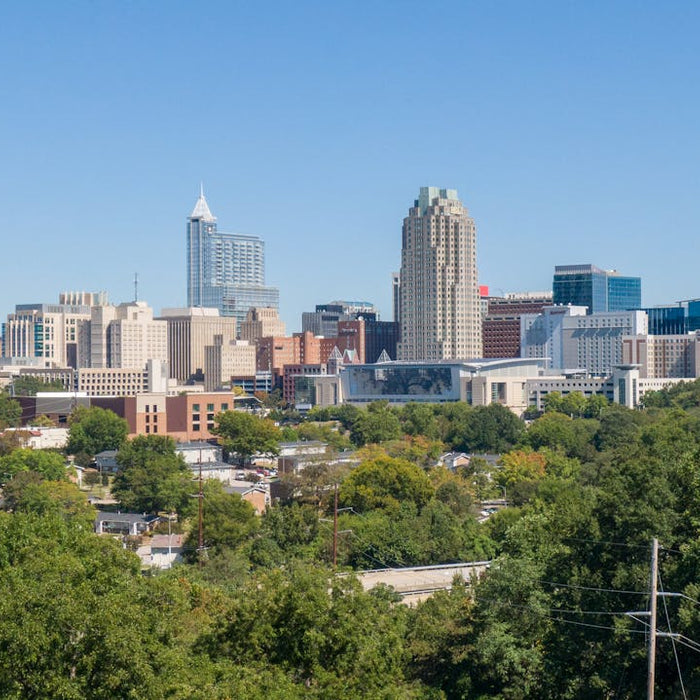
[599, 290]
[225, 271]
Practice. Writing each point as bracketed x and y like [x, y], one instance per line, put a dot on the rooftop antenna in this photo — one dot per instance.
[136, 286]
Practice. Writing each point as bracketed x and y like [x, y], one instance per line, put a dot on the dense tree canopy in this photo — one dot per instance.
[152, 477]
[264, 615]
[243, 434]
[92, 430]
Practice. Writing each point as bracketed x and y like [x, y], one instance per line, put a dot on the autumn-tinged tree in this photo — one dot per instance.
[386, 482]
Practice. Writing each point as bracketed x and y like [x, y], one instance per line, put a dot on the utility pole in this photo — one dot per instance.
[652, 618]
[335, 527]
[200, 540]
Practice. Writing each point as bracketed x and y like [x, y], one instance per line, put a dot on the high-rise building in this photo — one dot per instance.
[225, 271]
[501, 323]
[599, 290]
[663, 356]
[569, 339]
[261, 323]
[126, 336]
[56, 335]
[674, 319]
[440, 312]
[190, 331]
[324, 321]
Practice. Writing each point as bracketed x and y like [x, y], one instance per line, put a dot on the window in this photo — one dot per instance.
[195, 407]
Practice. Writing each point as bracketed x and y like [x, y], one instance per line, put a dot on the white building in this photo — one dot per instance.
[126, 336]
[541, 335]
[594, 342]
[572, 339]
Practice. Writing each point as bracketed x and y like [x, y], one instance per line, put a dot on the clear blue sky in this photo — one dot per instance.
[571, 130]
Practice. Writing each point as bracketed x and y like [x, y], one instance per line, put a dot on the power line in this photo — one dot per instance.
[542, 611]
[590, 588]
[673, 641]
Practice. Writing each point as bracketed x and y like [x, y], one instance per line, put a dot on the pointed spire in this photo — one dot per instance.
[384, 357]
[201, 208]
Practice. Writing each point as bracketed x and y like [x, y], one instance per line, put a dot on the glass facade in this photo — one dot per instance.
[225, 271]
[581, 285]
[599, 290]
[681, 318]
[624, 293]
[430, 383]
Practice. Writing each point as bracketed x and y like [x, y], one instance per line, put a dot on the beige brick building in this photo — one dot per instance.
[190, 331]
[439, 297]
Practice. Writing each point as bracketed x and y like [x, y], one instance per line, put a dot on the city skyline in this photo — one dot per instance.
[553, 122]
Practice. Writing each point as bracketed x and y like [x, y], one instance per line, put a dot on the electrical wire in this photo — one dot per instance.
[673, 641]
[589, 588]
[561, 619]
[557, 610]
[607, 542]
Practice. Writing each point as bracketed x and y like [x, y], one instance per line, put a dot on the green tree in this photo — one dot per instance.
[492, 428]
[26, 385]
[378, 423]
[325, 631]
[152, 477]
[574, 404]
[385, 482]
[10, 411]
[595, 404]
[50, 465]
[244, 434]
[227, 520]
[419, 419]
[57, 498]
[92, 430]
[42, 421]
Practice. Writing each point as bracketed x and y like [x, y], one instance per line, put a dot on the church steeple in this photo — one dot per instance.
[201, 208]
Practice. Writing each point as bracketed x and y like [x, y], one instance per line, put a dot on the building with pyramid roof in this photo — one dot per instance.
[225, 271]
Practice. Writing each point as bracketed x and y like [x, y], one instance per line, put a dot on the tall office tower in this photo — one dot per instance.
[674, 319]
[324, 321]
[225, 271]
[190, 331]
[440, 313]
[599, 290]
[126, 336]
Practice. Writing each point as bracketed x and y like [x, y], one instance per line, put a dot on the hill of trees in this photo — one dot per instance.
[261, 613]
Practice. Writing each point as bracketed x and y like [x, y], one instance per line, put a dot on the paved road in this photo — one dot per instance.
[420, 582]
